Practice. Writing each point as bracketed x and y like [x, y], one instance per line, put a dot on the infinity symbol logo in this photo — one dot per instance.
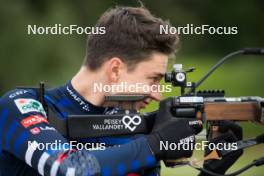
[131, 122]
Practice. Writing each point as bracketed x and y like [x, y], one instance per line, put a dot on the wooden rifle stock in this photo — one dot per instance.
[240, 111]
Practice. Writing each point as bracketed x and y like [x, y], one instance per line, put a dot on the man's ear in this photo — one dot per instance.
[114, 67]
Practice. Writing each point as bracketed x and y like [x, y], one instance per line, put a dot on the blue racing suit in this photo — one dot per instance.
[24, 130]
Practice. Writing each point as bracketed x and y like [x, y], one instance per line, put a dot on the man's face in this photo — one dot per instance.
[147, 75]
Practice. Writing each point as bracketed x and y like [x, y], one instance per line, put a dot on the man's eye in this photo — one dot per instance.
[155, 79]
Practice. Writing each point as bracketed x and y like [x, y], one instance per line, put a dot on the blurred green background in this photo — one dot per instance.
[27, 59]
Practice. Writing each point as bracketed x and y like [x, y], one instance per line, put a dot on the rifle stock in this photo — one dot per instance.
[240, 111]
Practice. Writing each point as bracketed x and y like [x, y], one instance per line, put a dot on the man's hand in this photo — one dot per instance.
[230, 132]
[169, 129]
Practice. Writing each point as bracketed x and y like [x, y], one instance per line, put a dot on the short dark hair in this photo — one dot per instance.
[132, 34]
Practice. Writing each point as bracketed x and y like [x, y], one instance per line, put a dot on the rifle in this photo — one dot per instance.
[210, 106]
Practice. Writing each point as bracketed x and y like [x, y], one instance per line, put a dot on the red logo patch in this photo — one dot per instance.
[35, 130]
[22, 101]
[33, 120]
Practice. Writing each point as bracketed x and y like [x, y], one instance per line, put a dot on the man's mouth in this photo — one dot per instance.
[145, 103]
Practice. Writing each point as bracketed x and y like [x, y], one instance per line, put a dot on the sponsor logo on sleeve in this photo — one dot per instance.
[33, 120]
[47, 128]
[26, 105]
[35, 130]
[17, 93]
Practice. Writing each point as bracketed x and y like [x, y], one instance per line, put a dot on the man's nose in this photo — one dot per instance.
[155, 96]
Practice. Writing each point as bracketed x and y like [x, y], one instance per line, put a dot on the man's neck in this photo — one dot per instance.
[83, 82]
